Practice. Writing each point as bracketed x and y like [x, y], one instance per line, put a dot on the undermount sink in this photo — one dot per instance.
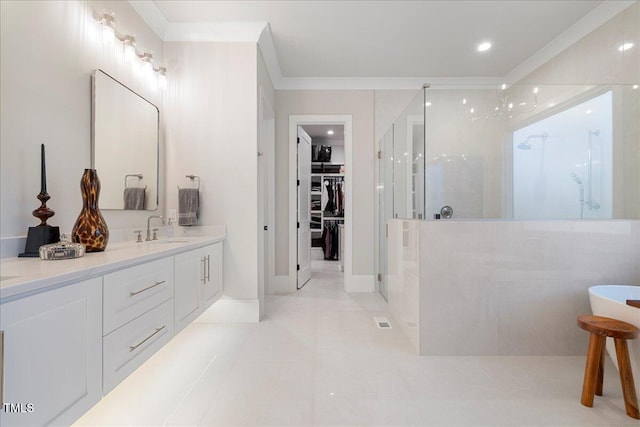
[157, 242]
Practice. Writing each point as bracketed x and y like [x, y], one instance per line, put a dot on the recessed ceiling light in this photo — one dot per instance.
[625, 46]
[330, 132]
[588, 112]
[472, 110]
[484, 46]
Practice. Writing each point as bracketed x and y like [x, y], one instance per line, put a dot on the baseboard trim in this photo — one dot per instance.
[227, 310]
[280, 285]
[360, 283]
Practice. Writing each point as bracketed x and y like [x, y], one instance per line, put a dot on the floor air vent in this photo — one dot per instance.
[382, 322]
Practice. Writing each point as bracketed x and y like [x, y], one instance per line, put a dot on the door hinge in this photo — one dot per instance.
[379, 277]
[266, 228]
[298, 267]
[298, 183]
[379, 154]
[298, 140]
[298, 224]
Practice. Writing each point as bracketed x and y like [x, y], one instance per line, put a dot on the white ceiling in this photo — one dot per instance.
[387, 39]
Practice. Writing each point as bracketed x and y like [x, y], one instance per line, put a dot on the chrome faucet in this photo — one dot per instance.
[149, 227]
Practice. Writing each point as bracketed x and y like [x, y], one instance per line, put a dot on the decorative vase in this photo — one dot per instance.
[90, 228]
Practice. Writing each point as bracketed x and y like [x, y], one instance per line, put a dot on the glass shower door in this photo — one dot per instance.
[385, 206]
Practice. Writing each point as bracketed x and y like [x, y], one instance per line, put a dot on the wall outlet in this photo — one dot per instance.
[172, 215]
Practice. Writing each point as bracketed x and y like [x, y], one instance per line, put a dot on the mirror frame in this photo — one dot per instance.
[93, 134]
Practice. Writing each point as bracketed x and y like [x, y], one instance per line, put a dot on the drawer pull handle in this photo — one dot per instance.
[133, 294]
[131, 348]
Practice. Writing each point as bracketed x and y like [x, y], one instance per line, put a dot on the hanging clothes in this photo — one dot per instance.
[331, 240]
[331, 204]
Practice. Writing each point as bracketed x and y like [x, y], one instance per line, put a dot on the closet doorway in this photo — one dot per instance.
[320, 197]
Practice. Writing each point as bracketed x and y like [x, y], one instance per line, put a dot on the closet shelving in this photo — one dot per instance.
[322, 172]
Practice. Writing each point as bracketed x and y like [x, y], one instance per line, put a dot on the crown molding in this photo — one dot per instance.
[382, 83]
[260, 32]
[150, 14]
[598, 16]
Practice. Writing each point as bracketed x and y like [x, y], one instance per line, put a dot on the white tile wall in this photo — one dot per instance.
[506, 287]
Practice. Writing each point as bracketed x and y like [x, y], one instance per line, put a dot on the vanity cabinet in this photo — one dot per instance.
[198, 282]
[67, 342]
[52, 362]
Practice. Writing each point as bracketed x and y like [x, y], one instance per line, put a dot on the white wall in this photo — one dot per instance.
[48, 51]
[212, 132]
[358, 104]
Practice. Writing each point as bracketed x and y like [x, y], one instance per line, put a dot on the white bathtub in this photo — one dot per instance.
[610, 301]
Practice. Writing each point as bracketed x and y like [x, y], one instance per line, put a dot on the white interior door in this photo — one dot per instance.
[304, 213]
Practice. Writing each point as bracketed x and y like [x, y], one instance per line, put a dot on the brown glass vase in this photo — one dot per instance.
[90, 228]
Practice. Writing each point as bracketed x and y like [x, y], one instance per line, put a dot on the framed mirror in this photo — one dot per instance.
[125, 145]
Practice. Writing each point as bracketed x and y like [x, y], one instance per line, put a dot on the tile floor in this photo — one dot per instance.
[318, 358]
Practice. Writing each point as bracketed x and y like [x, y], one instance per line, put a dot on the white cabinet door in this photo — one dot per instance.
[212, 284]
[189, 277]
[198, 282]
[52, 355]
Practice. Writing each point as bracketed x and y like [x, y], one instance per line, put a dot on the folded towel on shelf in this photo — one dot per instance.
[188, 206]
[134, 198]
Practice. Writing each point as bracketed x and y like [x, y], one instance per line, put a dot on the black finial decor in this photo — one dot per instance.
[43, 234]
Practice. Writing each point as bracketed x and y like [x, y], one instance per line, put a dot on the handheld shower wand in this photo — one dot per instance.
[578, 181]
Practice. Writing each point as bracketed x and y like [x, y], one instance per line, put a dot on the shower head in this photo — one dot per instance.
[576, 178]
[525, 145]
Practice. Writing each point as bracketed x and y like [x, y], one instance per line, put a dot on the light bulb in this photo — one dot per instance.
[108, 27]
[162, 78]
[147, 62]
[129, 48]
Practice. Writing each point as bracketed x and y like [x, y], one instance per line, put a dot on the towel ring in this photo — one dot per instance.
[136, 175]
[195, 179]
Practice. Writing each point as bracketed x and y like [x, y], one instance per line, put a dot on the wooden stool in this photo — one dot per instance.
[601, 328]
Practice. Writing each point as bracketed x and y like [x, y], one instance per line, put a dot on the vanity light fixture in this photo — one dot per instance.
[625, 46]
[484, 46]
[330, 132]
[109, 34]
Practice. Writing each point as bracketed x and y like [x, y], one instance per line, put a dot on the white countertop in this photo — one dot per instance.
[23, 276]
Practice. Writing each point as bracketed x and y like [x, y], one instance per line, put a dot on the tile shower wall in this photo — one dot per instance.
[506, 288]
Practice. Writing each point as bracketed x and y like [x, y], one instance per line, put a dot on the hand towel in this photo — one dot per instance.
[188, 206]
[134, 198]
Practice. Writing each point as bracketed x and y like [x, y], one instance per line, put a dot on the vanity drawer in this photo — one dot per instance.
[133, 291]
[129, 346]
